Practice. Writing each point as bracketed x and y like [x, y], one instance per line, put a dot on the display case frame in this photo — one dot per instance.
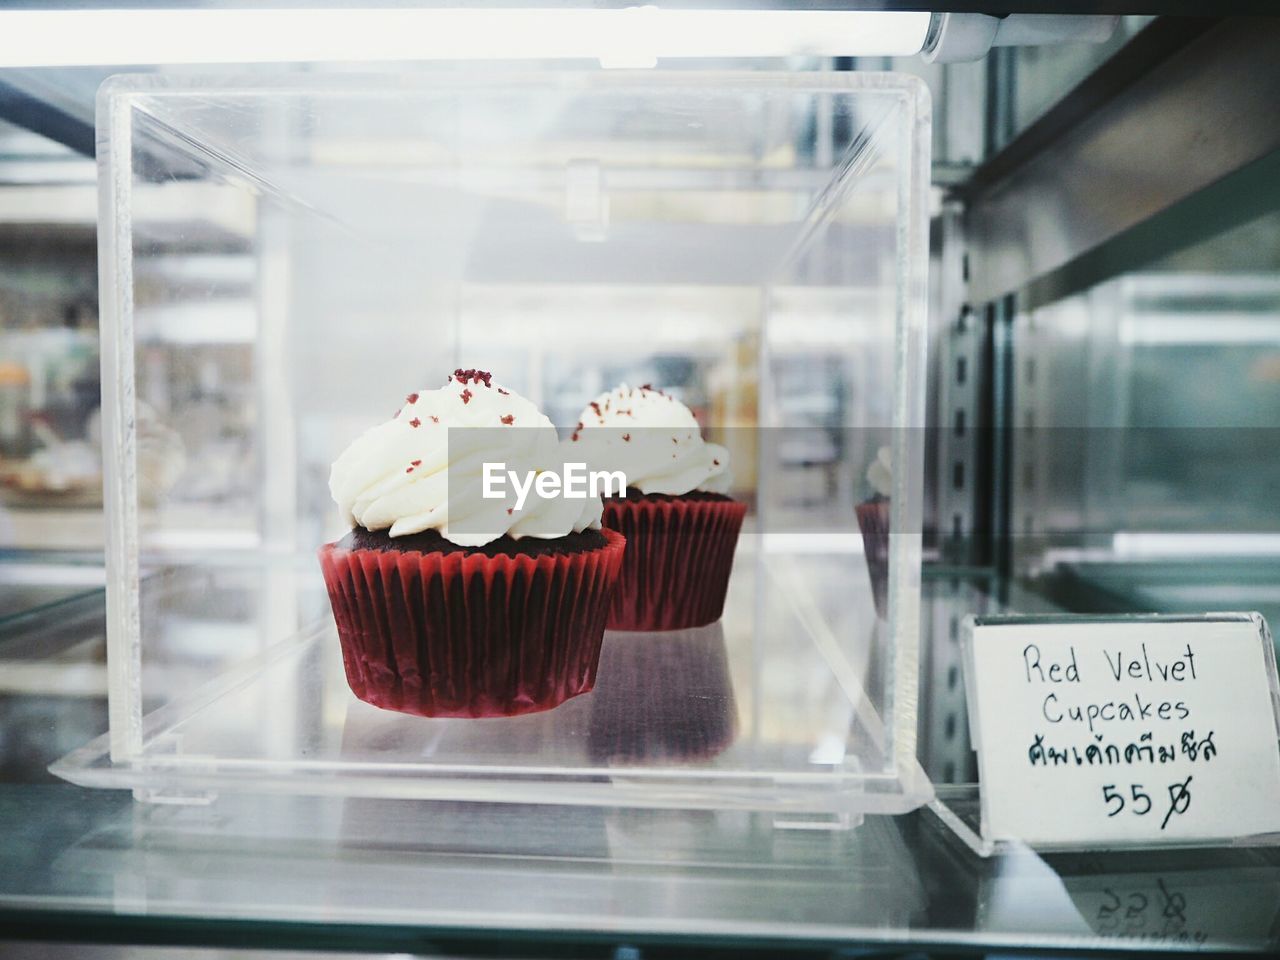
[162, 755]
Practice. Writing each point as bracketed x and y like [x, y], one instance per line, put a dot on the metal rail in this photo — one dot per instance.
[1181, 107]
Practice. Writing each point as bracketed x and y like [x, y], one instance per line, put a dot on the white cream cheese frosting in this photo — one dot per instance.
[654, 440]
[396, 476]
[879, 474]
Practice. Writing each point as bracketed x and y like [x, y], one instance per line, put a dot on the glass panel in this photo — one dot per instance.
[360, 239]
[1147, 409]
[1035, 78]
[1183, 361]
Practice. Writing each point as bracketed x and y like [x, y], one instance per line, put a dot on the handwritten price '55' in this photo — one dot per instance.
[1140, 804]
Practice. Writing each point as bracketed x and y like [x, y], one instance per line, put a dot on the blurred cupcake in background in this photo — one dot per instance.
[663, 697]
[680, 524]
[873, 520]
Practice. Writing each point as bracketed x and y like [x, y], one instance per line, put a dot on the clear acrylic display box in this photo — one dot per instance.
[282, 260]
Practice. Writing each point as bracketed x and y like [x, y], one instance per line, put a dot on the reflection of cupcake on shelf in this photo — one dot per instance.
[680, 525]
[554, 737]
[873, 520]
[662, 698]
[463, 604]
[390, 817]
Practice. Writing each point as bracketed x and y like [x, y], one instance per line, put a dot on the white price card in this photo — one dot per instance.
[1127, 730]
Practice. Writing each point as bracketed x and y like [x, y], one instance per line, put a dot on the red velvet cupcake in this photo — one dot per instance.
[434, 629]
[465, 606]
[675, 572]
[681, 526]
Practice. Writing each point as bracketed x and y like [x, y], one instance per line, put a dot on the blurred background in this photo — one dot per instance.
[1103, 367]
[1118, 411]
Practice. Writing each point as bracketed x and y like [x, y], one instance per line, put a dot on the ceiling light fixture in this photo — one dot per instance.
[622, 36]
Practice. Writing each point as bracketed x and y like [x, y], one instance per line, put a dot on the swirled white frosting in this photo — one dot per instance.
[879, 474]
[423, 468]
[654, 440]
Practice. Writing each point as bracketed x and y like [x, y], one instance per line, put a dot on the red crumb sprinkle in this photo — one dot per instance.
[503, 392]
[626, 437]
[509, 511]
[408, 469]
[596, 407]
[416, 463]
[415, 422]
[466, 395]
[434, 418]
[646, 386]
[715, 463]
[411, 398]
[509, 419]
[472, 375]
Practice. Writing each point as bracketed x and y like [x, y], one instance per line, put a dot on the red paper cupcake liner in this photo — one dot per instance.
[675, 572]
[466, 635]
[873, 520]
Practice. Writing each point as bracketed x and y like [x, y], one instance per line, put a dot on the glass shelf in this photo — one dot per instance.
[34, 586]
[1174, 585]
[698, 718]
[405, 875]
[411, 876]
